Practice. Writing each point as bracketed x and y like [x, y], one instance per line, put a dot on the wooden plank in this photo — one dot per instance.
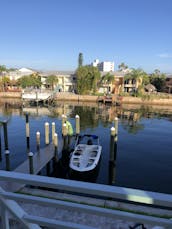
[39, 162]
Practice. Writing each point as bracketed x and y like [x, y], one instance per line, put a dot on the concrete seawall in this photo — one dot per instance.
[65, 96]
[125, 99]
[10, 94]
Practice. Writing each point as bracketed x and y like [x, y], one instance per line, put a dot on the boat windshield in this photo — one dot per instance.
[88, 139]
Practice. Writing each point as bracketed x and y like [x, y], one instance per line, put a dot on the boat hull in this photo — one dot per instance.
[90, 176]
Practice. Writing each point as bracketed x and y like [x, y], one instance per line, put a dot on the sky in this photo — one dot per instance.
[50, 34]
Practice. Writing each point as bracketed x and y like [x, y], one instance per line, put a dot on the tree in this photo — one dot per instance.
[140, 77]
[158, 80]
[5, 81]
[87, 79]
[52, 80]
[122, 66]
[107, 78]
[3, 68]
[33, 80]
[80, 60]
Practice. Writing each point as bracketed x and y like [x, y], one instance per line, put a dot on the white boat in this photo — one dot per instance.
[86, 156]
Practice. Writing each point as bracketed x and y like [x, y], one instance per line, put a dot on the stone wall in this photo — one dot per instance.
[135, 100]
[10, 94]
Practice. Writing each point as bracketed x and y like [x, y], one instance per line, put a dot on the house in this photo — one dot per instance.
[66, 80]
[168, 84]
[115, 86]
[16, 74]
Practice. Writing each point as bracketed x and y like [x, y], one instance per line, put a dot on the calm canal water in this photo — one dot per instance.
[144, 149]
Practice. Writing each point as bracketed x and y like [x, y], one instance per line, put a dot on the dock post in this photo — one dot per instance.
[27, 133]
[55, 141]
[47, 132]
[53, 130]
[77, 121]
[112, 172]
[38, 141]
[47, 141]
[116, 129]
[7, 160]
[31, 169]
[65, 137]
[112, 143]
[5, 135]
[112, 161]
[64, 119]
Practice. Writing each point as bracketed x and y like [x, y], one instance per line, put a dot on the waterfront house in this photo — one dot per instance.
[18, 73]
[114, 86]
[168, 84]
[66, 80]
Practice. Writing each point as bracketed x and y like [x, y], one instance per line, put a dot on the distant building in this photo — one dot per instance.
[66, 80]
[116, 86]
[168, 84]
[105, 66]
[15, 75]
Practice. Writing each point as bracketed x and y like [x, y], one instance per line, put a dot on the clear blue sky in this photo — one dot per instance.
[49, 34]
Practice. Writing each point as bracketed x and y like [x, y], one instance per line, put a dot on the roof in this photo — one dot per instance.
[150, 87]
[117, 73]
[62, 73]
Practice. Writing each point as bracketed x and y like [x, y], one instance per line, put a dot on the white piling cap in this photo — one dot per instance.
[53, 123]
[116, 118]
[30, 154]
[76, 116]
[47, 124]
[37, 133]
[7, 152]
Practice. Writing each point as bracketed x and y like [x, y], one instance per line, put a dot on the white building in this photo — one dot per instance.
[15, 75]
[105, 66]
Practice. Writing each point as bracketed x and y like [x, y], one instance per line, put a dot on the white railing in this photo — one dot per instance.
[9, 201]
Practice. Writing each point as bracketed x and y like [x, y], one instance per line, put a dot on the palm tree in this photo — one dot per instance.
[80, 60]
[139, 77]
[52, 80]
[122, 66]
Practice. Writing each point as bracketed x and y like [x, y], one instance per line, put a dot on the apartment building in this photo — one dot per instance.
[105, 66]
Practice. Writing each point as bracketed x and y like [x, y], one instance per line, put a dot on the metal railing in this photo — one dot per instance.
[9, 201]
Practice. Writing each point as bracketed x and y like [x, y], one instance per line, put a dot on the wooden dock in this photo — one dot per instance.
[40, 160]
[112, 99]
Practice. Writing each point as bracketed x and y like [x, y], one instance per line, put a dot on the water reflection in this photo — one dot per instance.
[143, 158]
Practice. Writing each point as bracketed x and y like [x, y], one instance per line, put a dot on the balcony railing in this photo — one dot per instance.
[9, 202]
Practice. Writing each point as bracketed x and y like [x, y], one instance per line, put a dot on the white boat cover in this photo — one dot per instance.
[85, 157]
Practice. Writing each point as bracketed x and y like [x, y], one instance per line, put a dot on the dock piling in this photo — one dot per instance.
[47, 141]
[7, 160]
[27, 133]
[77, 120]
[31, 169]
[38, 141]
[47, 132]
[55, 142]
[64, 119]
[65, 136]
[5, 134]
[112, 160]
[112, 143]
[53, 130]
[116, 129]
